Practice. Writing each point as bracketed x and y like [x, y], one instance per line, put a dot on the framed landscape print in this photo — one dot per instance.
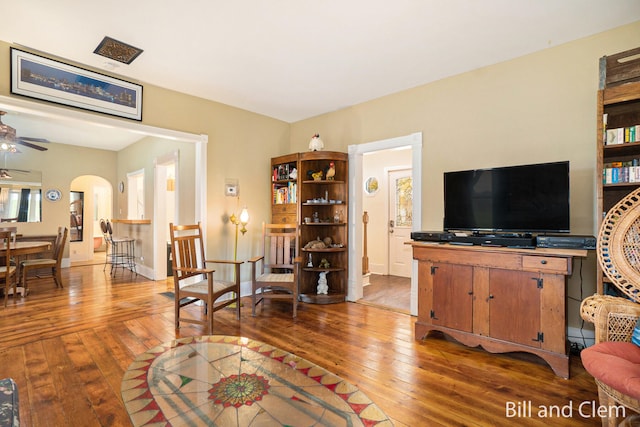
[42, 78]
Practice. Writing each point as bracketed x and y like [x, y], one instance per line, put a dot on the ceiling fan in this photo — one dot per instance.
[9, 140]
[5, 172]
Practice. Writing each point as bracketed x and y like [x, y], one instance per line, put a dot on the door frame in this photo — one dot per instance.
[356, 194]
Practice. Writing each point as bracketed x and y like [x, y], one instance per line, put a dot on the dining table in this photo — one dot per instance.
[20, 249]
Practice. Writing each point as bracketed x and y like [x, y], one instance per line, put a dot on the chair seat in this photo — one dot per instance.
[276, 277]
[44, 262]
[124, 239]
[201, 287]
[616, 364]
[12, 269]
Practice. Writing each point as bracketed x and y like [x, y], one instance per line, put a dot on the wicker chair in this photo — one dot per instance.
[614, 318]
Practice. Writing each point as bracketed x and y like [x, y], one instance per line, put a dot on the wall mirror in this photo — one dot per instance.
[76, 211]
[20, 195]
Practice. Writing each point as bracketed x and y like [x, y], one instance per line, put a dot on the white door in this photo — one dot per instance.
[400, 222]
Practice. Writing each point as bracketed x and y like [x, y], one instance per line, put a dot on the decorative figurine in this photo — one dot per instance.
[323, 288]
[330, 172]
[310, 263]
[315, 244]
[316, 143]
[324, 263]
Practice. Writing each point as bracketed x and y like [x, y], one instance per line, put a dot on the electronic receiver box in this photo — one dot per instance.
[566, 242]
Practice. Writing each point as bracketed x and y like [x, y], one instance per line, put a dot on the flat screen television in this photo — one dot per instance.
[515, 199]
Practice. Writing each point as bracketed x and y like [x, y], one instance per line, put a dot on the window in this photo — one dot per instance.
[135, 195]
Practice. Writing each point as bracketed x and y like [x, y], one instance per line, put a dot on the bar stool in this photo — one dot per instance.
[120, 250]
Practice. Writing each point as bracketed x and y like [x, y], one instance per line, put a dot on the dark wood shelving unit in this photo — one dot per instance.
[327, 198]
[619, 100]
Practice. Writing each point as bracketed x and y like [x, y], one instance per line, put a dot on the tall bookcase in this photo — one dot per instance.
[618, 144]
[320, 208]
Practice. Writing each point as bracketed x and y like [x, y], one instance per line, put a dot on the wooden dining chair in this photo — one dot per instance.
[13, 230]
[53, 264]
[274, 273]
[194, 282]
[14, 237]
[7, 271]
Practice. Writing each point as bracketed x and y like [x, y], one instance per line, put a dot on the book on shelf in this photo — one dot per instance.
[285, 194]
[622, 135]
[621, 172]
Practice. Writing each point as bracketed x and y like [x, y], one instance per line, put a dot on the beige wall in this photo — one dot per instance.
[537, 108]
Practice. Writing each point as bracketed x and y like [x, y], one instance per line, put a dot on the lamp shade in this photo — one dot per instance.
[244, 216]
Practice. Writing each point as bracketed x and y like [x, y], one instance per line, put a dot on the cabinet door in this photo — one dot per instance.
[452, 296]
[514, 307]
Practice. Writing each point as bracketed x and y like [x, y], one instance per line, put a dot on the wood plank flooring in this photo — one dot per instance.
[391, 292]
[67, 349]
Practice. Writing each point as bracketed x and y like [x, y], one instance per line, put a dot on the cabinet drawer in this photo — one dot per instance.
[285, 208]
[284, 219]
[284, 214]
[546, 264]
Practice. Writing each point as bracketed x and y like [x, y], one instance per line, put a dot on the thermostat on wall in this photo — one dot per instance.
[231, 190]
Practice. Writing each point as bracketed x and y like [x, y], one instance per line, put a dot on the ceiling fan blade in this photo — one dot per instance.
[30, 145]
[26, 138]
[17, 170]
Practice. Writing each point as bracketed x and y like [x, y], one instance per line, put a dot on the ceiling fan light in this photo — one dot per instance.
[8, 147]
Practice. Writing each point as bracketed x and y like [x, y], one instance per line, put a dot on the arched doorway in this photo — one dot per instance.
[97, 202]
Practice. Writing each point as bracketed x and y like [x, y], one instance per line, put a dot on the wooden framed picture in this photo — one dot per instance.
[42, 78]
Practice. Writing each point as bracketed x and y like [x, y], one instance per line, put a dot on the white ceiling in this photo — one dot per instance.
[295, 59]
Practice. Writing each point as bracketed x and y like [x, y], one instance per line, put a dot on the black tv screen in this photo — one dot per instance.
[526, 199]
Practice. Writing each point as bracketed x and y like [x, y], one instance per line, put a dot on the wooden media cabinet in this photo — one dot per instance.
[502, 299]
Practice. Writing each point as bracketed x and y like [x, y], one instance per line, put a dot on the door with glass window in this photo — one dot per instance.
[400, 222]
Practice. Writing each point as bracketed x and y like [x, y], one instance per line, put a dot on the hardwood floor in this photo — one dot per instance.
[391, 292]
[67, 349]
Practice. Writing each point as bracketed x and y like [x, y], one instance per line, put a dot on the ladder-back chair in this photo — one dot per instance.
[7, 270]
[54, 264]
[274, 273]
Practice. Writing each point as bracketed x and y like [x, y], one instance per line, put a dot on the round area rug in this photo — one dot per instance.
[223, 381]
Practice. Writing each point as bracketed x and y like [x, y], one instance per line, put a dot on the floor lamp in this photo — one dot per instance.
[243, 220]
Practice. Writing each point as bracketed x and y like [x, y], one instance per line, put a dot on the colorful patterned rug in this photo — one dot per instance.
[223, 381]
